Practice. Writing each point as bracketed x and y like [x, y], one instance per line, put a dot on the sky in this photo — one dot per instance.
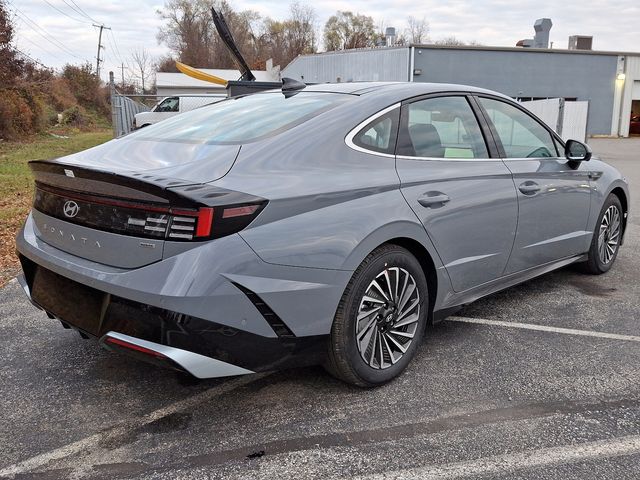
[56, 32]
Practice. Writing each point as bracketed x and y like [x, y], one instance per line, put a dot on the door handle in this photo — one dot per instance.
[529, 188]
[431, 199]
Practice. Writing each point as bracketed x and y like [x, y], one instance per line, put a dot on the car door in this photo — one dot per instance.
[553, 193]
[463, 196]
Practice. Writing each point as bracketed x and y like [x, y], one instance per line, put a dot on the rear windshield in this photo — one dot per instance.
[241, 119]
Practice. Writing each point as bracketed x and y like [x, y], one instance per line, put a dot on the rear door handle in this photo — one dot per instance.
[529, 188]
[432, 199]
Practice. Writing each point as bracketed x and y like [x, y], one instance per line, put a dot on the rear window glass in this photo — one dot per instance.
[241, 119]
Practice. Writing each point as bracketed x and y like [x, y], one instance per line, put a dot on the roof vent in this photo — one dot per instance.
[580, 42]
[390, 36]
[542, 28]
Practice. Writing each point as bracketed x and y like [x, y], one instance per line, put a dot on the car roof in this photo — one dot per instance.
[410, 88]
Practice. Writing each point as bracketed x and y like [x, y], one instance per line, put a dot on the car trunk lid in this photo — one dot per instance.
[123, 219]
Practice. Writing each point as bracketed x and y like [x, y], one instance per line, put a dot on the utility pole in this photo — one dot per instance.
[122, 67]
[102, 27]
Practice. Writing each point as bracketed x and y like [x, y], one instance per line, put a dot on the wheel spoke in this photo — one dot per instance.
[397, 283]
[373, 347]
[403, 313]
[389, 286]
[362, 315]
[379, 289]
[368, 298]
[404, 286]
[394, 360]
[407, 321]
[398, 345]
[406, 297]
[380, 347]
[362, 332]
[402, 334]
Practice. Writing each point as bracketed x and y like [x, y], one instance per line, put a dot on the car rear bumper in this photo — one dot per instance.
[237, 311]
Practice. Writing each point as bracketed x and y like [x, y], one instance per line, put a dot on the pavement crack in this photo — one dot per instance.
[383, 434]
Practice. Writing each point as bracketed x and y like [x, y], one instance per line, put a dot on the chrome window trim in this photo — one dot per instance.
[444, 159]
[523, 159]
[354, 131]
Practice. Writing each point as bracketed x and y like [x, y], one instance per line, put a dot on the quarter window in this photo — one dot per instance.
[380, 134]
[521, 135]
[441, 127]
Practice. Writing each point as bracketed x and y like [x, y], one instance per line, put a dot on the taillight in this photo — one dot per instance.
[153, 220]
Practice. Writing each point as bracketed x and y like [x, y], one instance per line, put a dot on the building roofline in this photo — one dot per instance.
[431, 46]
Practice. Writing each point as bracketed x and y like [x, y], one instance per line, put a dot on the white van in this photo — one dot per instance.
[171, 106]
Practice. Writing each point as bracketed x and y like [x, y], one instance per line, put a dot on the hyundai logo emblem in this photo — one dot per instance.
[70, 208]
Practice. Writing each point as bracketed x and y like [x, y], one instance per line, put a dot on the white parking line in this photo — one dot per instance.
[511, 462]
[93, 440]
[545, 328]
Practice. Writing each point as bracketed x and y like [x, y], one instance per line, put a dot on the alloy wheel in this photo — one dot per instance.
[609, 235]
[387, 318]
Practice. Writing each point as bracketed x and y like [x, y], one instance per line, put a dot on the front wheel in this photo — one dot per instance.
[380, 320]
[606, 238]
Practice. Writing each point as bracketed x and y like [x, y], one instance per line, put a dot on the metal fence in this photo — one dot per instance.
[567, 118]
[123, 110]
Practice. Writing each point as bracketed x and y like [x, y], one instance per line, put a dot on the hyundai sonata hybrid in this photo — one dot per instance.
[324, 224]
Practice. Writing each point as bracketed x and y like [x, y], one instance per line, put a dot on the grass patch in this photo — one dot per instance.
[16, 183]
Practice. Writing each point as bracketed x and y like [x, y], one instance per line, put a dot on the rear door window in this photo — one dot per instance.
[441, 127]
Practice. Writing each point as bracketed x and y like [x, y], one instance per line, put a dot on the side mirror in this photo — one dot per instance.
[576, 151]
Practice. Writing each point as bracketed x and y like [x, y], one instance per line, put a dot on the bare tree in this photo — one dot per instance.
[450, 41]
[346, 30]
[142, 67]
[284, 40]
[418, 29]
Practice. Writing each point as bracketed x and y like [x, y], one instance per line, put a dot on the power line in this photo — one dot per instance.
[38, 29]
[112, 45]
[115, 43]
[81, 11]
[30, 58]
[64, 13]
[42, 48]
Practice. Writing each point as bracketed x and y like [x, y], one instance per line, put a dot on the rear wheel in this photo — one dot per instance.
[380, 320]
[606, 238]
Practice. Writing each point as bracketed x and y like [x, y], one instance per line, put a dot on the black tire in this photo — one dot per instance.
[596, 264]
[345, 360]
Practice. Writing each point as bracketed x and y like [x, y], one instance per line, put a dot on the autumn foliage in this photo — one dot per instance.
[31, 96]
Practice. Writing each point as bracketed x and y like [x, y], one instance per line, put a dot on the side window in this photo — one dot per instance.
[521, 135]
[170, 104]
[380, 134]
[441, 127]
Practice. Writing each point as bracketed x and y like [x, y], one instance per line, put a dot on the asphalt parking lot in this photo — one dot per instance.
[540, 381]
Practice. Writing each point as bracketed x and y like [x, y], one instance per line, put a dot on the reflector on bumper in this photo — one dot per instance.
[197, 365]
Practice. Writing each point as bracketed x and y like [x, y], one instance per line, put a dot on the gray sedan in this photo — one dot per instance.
[325, 224]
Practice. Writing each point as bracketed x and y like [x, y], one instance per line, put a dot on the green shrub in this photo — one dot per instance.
[77, 117]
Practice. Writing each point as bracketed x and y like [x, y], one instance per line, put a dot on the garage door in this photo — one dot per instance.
[636, 90]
